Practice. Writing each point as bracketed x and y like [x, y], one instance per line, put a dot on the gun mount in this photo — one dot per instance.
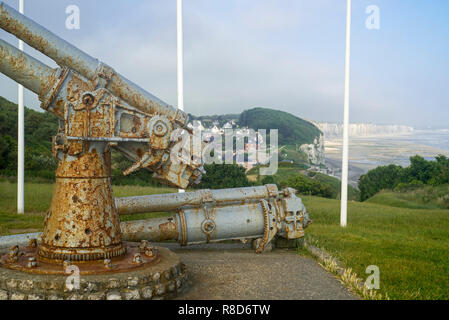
[99, 109]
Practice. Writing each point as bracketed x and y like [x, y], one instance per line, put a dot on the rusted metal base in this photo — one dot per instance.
[162, 277]
[82, 223]
[133, 259]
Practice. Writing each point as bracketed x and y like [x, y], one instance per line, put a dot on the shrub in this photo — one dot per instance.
[220, 176]
[268, 180]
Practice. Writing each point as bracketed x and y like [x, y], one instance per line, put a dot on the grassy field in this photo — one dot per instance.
[410, 246]
[291, 152]
[284, 171]
[421, 197]
[37, 201]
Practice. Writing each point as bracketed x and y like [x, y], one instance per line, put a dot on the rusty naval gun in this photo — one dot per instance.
[99, 110]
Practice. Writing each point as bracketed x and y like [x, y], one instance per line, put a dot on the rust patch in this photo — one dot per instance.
[168, 231]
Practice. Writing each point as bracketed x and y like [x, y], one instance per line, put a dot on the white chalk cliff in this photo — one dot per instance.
[333, 130]
[315, 151]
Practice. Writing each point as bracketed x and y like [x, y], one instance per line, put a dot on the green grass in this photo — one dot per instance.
[390, 198]
[37, 201]
[421, 197]
[292, 152]
[284, 171]
[410, 247]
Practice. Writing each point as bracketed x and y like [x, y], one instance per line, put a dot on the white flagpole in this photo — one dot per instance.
[180, 56]
[20, 140]
[180, 59]
[344, 174]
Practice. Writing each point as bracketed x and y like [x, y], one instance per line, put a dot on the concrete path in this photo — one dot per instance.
[234, 271]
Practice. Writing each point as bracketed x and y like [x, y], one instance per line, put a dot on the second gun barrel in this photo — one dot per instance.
[24, 69]
[175, 201]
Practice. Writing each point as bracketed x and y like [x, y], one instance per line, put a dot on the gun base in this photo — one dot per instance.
[161, 277]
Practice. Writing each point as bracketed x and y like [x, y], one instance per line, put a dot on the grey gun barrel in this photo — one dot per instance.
[190, 226]
[216, 215]
[175, 201]
[65, 54]
[24, 69]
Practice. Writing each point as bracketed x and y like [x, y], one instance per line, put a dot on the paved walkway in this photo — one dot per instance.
[234, 271]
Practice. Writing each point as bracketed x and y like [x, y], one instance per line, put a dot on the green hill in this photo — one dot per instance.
[39, 126]
[414, 197]
[39, 129]
[292, 130]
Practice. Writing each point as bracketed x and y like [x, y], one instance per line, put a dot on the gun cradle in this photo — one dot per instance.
[93, 114]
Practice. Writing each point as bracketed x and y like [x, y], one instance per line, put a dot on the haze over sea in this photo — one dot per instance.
[368, 152]
[433, 138]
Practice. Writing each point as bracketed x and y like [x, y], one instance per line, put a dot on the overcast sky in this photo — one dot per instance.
[282, 54]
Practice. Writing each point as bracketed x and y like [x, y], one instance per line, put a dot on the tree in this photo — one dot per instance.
[375, 180]
[268, 180]
[441, 172]
[420, 170]
[8, 155]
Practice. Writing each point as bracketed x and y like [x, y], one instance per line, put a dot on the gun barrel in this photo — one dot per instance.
[175, 201]
[68, 55]
[155, 229]
[24, 69]
[227, 214]
[231, 222]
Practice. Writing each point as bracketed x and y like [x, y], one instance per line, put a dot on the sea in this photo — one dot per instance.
[433, 138]
[438, 140]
